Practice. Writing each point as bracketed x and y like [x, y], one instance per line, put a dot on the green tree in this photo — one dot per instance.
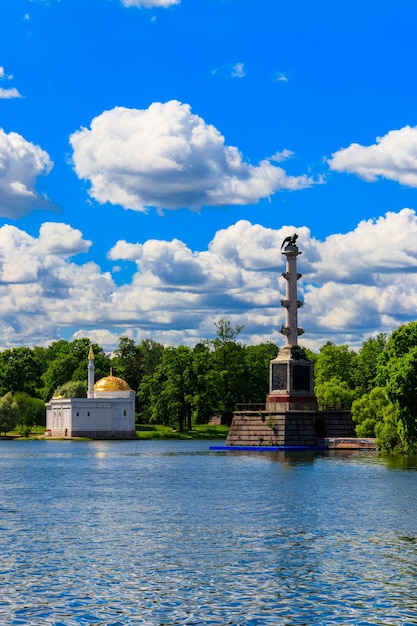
[79, 349]
[335, 362]
[402, 391]
[225, 333]
[72, 389]
[9, 413]
[68, 361]
[59, 371]
[367, 362]
[401, 340]
[19, 371]
[168, 391]
[153, 407]
[257, 364]
[150, 357]
[126, 362]
[387, 435]
[334, 394]
[396, 371]
[178, 387]
[229, 369]
[203, 383]
[399, 343]
[370, 410]
[31, 412]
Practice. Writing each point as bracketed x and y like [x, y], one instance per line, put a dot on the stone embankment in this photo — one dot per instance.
[290, 428]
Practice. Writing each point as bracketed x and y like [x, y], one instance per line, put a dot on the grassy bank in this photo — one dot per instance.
[202, 431]
[146, 431]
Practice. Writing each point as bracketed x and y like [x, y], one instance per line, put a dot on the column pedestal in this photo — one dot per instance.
[291, 385]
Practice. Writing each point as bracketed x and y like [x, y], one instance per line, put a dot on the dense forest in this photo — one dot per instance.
[182, 386]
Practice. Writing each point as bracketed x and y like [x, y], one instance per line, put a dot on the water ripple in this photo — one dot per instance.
[164, 534]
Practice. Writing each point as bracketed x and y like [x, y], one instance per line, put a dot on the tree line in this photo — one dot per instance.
[175, 386]
[378, 383]
[182, 386]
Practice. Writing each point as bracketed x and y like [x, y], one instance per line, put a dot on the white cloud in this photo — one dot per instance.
[230, 70]
[126, 251]
[8, 94]
[148, 4]
[107, 339]
[252, 246]
[238, 70]
[168, 158]
[376, 247]
[18, 264]
[394, 156]
[23, 258]
[281, 78]
[3, 74]
[353, 285]
[41, 290]
[278, 157]
[21, 163]
[61, 240]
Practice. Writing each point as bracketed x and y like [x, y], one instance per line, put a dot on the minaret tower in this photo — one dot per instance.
[91, 368]
[291, 384]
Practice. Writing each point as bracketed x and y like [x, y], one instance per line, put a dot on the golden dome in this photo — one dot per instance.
[111, 383]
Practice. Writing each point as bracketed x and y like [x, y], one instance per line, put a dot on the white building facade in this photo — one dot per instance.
[107, 412]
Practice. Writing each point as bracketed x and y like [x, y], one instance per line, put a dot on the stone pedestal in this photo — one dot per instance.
[288, 428]
[291, 383]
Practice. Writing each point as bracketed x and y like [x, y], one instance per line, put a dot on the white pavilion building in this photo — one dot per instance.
[107, 412]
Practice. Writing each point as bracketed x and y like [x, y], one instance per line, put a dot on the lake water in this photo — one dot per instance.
[169, 532]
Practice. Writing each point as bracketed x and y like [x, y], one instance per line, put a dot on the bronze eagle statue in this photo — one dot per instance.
[290, 240]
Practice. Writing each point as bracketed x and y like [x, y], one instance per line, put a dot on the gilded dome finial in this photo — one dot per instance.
[111, 383]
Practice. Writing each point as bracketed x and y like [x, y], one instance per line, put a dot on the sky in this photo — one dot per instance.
[155, 153]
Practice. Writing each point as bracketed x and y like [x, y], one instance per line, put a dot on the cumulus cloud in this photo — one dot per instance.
[23, 258]
[148, 4]
[168, 158]
[387, 246]
[364, 281]
[393, 156]
[354, 285]
[61, 240]
[42, 290]
[21, 163]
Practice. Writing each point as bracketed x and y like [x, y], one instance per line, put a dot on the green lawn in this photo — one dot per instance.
[147, 431]
[203, 431]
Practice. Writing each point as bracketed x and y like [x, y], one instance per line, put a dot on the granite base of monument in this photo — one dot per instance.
[288, 428]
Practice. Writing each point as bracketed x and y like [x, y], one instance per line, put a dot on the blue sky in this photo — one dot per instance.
[154, 153]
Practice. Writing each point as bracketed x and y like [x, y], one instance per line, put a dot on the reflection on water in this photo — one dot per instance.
[165, 533]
